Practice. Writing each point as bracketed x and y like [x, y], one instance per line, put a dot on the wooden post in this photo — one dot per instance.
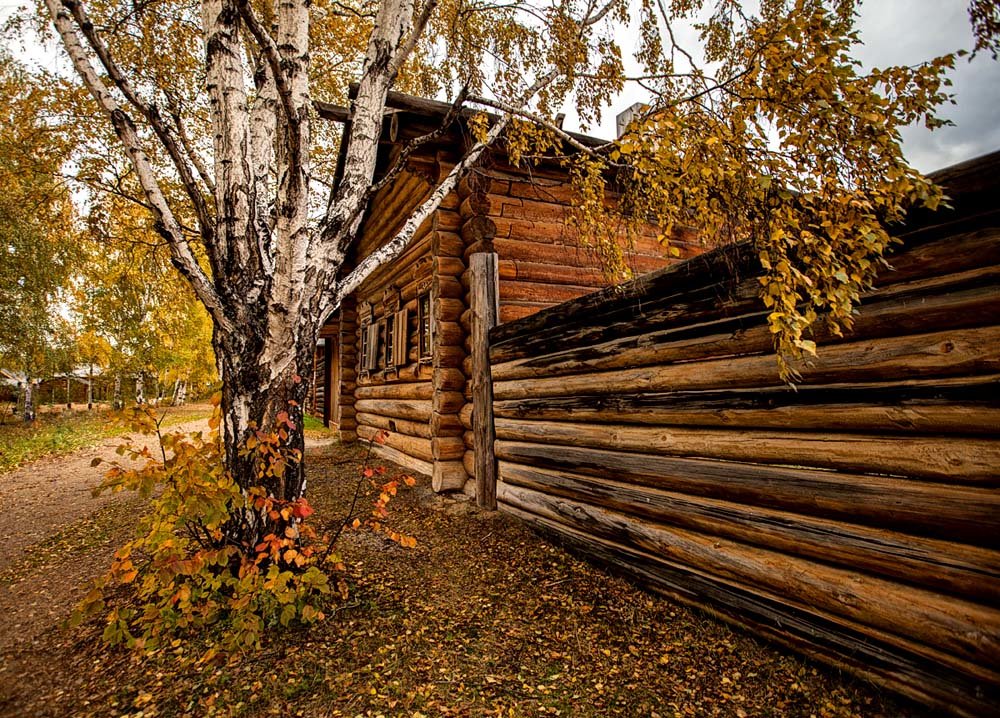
[485, 309]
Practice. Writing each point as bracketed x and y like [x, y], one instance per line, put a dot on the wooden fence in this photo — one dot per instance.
[855, 518]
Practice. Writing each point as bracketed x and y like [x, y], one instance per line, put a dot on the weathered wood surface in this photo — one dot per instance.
[855, 517]
[826, 638]
[965, 514]
[964, 634]
[959, 569]
[962, 406]
[949, 460]
[485, 308]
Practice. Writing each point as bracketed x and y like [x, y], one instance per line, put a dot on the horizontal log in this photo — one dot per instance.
[961, 406]
[478, 230]
[512, 311]
[474, 203]
[448, 476]
[448, 309]
[700, 289]
[937, 354]
[450, 333]
[945, 459]
[551, 273]
[410, 463]
[963, 514]
[469, 462]
[347, 411]
[405, 390]
[950, 627]
[447, 221]
[448, 402]
[954, 253]
[466, 416]
[449, 288]
[447, 244]
[571, 255]
[347, 436]
[395, 202]
[957, 301]
[448, 380]
[410, 445]
[447, 448]
[403, 426]
[511, 290]
[449, 357]
[550, 232]
[450, 267]
[469, 438]
[969, 572]
[446, 425]
[413, 409]
[822, 637]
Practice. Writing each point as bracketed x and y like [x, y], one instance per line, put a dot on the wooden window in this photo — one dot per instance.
[369, 347]
[388, 356]
[425, 322]
[401, 335]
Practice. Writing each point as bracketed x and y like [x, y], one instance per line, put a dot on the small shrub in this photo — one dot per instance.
[184, 574]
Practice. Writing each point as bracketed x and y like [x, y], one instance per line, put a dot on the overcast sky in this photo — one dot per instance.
[894, 32]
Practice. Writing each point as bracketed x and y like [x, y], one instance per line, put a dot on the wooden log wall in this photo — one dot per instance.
[347, 355]
[395, 400]
[449, 302]
[855, 518]
[543, 260]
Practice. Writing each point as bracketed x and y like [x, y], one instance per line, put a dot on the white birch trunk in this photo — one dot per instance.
[29, 402]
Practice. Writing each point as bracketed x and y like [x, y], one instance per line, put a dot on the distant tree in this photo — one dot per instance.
[36, 223]
[128, 295]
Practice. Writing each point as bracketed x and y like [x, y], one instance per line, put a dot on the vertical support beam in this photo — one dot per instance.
[485, 309]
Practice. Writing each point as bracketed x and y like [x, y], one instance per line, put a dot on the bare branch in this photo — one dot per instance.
[594, 151]
[192, 153]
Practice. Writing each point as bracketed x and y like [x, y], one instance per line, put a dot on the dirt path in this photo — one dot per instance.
[39, 499]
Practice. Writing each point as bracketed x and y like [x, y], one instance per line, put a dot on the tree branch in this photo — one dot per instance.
[269, 49]
[397, 244]
[413, 37]
[167, 224]
[152, 115]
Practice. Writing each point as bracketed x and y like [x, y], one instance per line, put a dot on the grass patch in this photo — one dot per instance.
[53, 434]
[56, 433]
[315, 429]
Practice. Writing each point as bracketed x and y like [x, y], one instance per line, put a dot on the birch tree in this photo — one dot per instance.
[223, 141]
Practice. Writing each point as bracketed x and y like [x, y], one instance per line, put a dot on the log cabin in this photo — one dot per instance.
[395, 357]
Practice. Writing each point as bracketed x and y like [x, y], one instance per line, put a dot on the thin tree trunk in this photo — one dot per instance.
[69, 399]
[29, 402]
[90, 389]
[116, 401]
[139, 398]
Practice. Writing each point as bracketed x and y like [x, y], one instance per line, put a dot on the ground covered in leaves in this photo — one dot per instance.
[482, 618]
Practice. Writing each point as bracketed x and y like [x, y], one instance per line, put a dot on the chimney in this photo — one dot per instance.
[625, 117]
